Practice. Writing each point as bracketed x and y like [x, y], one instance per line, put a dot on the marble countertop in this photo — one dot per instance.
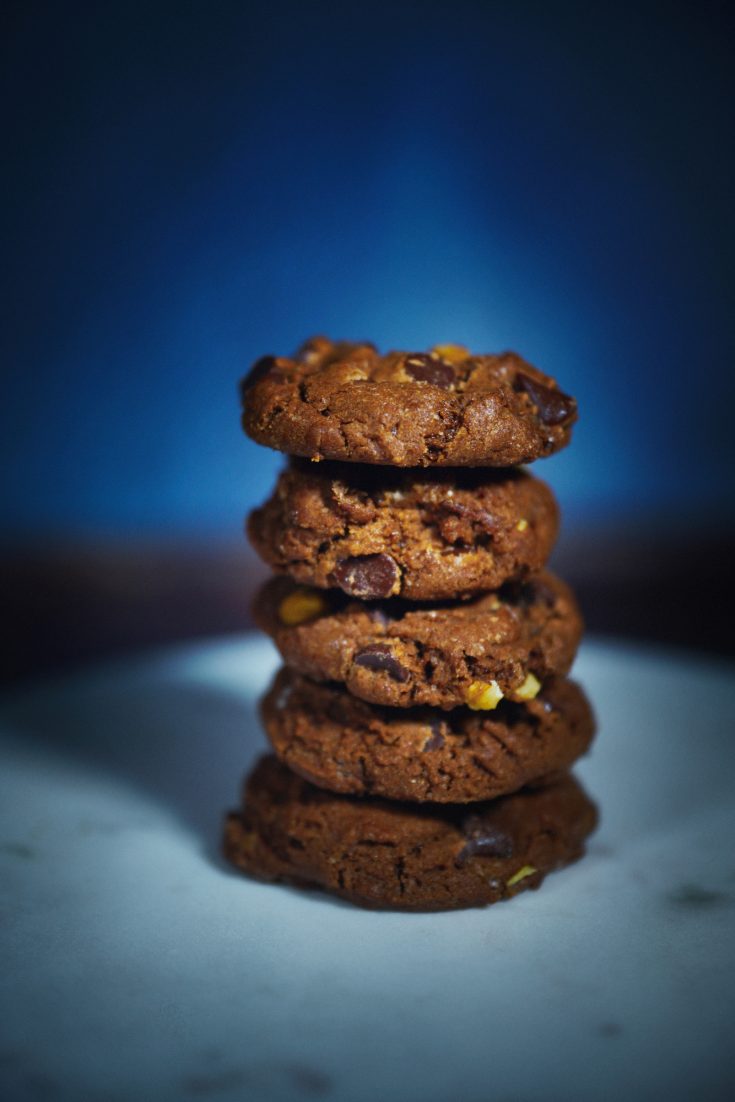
[136, 965]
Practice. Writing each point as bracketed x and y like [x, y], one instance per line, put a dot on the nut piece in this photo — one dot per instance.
[522, 525]
[483, 696]
[452, 353]
[527, 870]
[300, 606]
[529, 689]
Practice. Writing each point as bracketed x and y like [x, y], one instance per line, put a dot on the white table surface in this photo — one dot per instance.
[136, 966]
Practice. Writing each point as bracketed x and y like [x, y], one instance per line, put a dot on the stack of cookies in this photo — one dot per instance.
[423, 724]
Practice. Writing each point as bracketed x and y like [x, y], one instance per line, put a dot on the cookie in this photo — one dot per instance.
[338, 742]
[393, 856]
[444, 408]
[444, 654]
[446, 533]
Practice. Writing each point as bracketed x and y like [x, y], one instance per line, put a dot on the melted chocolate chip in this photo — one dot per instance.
[436, 739]
[264, 368]
[554, 406]
[379, 656]
[483, 840]
[367, 576]
[427, 369]
[379, 616]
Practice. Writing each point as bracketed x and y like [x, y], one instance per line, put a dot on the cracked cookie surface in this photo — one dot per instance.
[343, 744]
[448, 533]
[393, 856]
[402, 653]
[445, 408]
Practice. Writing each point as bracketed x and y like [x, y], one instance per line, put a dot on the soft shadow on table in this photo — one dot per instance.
[188, 747]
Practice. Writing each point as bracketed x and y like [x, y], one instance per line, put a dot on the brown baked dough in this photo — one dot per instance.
[443, 408]
[448, 533]
[401, 653]
[338, 742]
[403, 857]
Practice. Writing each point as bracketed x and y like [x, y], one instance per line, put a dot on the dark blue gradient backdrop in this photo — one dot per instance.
[190, 185]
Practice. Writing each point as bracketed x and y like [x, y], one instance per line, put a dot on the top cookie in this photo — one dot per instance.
[444, 408]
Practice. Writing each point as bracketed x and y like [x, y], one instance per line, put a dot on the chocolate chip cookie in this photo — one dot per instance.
[392, 856]
[442, 408]
[433, 533]
[344, 744]
[402, 653]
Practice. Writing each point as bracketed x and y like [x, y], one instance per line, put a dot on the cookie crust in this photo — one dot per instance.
[343, 744]
[393, 856]
[449, 533]
[403, 654]
[444, 408]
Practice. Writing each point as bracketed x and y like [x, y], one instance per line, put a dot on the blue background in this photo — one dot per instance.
[189, 186]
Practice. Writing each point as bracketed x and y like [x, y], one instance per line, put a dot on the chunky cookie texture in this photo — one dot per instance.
[345, 745]
[443, 408]
[474, 652]
[392, 856]
[423, 535]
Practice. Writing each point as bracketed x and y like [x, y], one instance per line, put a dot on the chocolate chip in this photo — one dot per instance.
[379, 616]
[554, 406]
[264, 368]
[367, 576]
[483, 840]
[436, 739]
[427, 369]
[379, 656]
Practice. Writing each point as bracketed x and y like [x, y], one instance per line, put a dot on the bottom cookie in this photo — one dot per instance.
[394, 856]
